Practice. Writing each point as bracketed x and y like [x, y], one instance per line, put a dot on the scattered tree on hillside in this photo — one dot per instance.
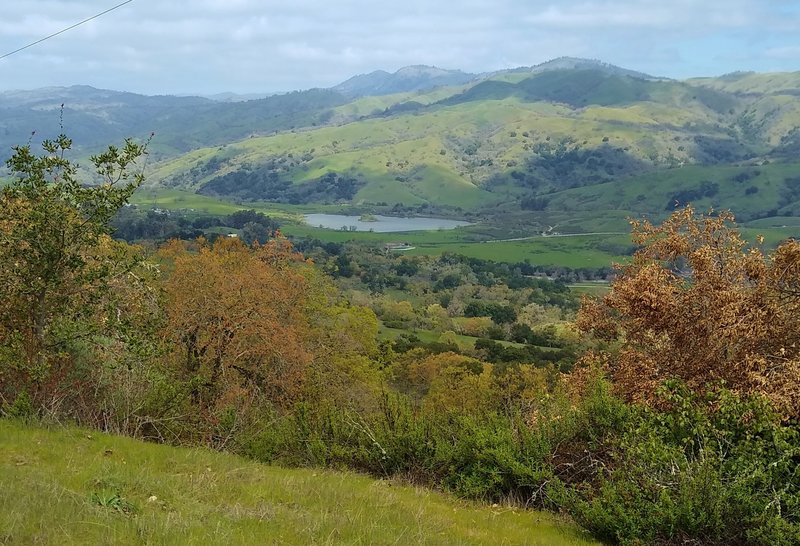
[57, 262]
[258, 326]
[235, 317]
[699, 305]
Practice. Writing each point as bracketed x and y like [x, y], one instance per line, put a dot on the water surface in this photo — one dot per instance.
[382, 224]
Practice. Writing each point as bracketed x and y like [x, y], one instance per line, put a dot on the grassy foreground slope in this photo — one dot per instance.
[73, 486]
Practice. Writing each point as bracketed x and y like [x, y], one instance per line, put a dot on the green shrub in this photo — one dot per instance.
[493, 457]
[722, 476]
[21, 407]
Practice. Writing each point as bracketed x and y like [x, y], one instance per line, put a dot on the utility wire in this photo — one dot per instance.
[65, 30]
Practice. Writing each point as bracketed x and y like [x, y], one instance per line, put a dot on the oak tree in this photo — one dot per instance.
[56, 257]
[698, 304]
[235, 317]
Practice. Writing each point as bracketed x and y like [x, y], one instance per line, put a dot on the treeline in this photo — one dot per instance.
[267, 184]
[131, 223]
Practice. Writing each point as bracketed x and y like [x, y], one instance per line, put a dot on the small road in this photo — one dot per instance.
[556, 235]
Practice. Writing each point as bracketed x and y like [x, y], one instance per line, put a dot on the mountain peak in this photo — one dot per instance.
[578, 63]
[409, 78]
[417, 70]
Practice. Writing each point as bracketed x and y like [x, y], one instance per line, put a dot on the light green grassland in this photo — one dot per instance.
[751, 82]
[538, 254]
[366, 106]
[573, 251]
[774, 222]
[590, 288]
[446, 154]
[68, 486]
[183, 200]
[192, 203]
[653, 193]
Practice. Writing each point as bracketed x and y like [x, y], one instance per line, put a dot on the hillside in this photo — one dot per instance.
[96, 117]
[73, 486]
[431, 140]
[495, 141]
[751, 191]
[516, 138]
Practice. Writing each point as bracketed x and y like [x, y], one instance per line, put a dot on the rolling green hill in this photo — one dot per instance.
[567, 136]
[467, 154]
[519, 139]
[751, 191]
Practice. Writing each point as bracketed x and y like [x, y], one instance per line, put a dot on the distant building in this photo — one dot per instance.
[397, 246]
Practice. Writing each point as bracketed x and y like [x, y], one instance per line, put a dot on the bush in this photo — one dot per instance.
[726, 475]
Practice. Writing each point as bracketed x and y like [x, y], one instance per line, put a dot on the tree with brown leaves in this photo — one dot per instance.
[235, 316]
[699, 305]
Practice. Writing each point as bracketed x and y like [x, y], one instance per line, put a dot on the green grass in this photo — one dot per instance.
[429, 336]
[590, 288]
[653, 193]
[446, 153]
[172, 199]
[67, 486]
[751, 82]
[774, 222]
[573, 252]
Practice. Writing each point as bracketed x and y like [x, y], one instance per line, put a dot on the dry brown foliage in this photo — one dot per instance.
[699, 305]
[235, 316]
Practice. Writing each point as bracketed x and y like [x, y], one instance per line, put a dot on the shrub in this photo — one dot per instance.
[719, 469]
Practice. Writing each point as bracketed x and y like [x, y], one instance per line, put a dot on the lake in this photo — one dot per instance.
[382, 224]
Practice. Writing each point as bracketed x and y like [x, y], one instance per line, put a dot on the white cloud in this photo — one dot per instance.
[255, 45]
[789, 52]
[647, 14]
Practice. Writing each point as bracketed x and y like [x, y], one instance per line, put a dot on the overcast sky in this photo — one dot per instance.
[244, 46]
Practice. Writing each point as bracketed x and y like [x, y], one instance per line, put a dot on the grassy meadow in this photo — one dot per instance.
[607, 241]
[65, 486]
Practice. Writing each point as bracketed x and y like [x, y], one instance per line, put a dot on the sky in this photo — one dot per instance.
[262, 46]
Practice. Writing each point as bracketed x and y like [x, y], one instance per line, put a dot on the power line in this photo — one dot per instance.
[66, 29]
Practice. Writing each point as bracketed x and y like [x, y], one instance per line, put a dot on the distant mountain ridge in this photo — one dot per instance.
[407, 79]
[423, 77]
[576, 63]
[94, 117]
[377, 83]
[568, 133]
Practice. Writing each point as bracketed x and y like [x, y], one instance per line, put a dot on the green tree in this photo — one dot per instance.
[56, 256]
[256, 233]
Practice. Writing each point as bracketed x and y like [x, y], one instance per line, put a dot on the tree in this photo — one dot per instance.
[259, 325]
[235, 316]
[256, 233]
[56, 257]
[697, 304]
